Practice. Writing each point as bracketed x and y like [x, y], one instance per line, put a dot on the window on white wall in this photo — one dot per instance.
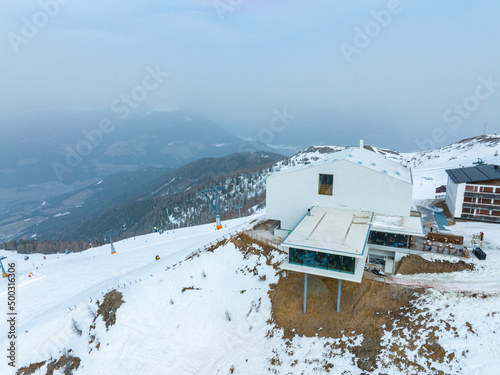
[325, 184]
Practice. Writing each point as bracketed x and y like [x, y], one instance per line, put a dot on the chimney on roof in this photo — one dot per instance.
[361, 144]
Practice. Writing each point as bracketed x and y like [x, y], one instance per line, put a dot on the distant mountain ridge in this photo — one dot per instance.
[169, 199]
[127, 198]
[40, 147]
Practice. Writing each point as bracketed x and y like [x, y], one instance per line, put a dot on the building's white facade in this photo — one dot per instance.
[454, 197]
[362, 180]
[473, 193]
[363, 183]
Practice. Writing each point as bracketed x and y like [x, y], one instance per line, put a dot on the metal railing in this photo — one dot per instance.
[213, 243]
[267, 241]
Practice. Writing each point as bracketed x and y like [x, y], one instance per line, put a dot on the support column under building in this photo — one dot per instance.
[338, 296]
[305, 292]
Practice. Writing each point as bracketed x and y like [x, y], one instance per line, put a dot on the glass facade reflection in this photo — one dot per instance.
[389, 239]
[324, 261]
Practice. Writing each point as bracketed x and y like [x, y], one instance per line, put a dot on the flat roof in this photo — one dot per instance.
[409, 225]
[342, 232]
[485, 172]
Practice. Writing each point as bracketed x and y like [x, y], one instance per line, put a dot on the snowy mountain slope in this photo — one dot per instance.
[173, 203]
[211, 314]
[428, 171]
[428, 167]
[62, 285]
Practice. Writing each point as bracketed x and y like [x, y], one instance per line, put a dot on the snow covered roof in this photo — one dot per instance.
[364, 158]
[342, 232]
[485, 172]
[409, 225]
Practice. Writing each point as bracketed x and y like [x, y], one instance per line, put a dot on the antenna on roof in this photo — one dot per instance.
[484, 132]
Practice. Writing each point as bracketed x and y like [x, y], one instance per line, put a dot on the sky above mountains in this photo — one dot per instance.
[401, 74]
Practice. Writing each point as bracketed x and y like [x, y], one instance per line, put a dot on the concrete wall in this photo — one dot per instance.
[455, 197]
[355, 187]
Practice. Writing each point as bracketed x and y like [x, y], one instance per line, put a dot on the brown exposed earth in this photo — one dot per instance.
[108, 307]
[364, 308]
[413, 264]
[66, 363]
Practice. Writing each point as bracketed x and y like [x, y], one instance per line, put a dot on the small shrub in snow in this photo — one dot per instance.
[228, 316]
[76, 329]
[92, 313]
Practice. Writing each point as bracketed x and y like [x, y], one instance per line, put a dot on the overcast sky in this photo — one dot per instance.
[415, 73]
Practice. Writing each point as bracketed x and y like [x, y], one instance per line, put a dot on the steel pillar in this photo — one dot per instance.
[338, 296]
[305, 292]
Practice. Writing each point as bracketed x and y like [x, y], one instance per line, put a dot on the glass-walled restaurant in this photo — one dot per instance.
[390, 239]
[321, 260]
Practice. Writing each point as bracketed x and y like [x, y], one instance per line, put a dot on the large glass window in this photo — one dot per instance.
[389, 239]
[325, 184]
[324, 261]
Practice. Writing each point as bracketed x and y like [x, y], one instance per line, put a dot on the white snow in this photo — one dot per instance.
[62, 214]
[219, 325]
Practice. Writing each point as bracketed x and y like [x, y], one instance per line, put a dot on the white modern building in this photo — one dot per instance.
[349, 209]
[473, 193]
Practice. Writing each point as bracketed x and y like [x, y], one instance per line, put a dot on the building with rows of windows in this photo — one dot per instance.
[349, 209]
[473, 193]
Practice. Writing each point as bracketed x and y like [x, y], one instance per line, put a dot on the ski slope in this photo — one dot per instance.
[210, 314]
[63, 287]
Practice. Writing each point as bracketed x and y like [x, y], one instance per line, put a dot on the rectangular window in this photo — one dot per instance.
[325, 184]
[389, 239]
[321, 260]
